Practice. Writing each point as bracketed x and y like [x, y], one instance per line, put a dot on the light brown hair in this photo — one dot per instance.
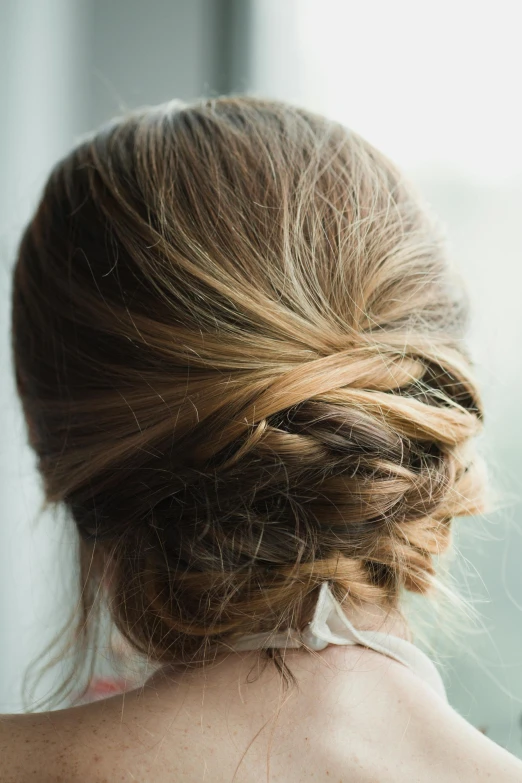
[239, 346]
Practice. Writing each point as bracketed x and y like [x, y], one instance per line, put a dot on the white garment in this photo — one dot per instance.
[330, 625]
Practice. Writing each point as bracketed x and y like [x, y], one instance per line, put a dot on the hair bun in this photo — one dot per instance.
[239, 344]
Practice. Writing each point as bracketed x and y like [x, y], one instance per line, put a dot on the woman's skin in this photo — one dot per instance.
[356, 716]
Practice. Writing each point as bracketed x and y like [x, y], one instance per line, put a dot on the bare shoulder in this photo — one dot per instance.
[453, 743]
[415, 735]
[76, 744]
[384, 724]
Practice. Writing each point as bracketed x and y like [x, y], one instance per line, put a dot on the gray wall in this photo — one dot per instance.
[149, 52]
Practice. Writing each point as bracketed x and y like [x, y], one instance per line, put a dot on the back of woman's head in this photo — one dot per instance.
[238, 344]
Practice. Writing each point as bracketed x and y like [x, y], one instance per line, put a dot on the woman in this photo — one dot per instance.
[239, 348]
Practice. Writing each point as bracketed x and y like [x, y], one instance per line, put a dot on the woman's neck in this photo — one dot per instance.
[373, 617]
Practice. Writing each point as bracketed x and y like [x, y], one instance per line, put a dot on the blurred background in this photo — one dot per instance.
[434, 85]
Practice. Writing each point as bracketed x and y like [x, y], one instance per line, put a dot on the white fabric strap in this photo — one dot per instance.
[330, 625]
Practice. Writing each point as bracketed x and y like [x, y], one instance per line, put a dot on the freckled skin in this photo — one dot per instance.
[357, 719]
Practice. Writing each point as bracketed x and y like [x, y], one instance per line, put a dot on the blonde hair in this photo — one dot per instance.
[239, 346]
